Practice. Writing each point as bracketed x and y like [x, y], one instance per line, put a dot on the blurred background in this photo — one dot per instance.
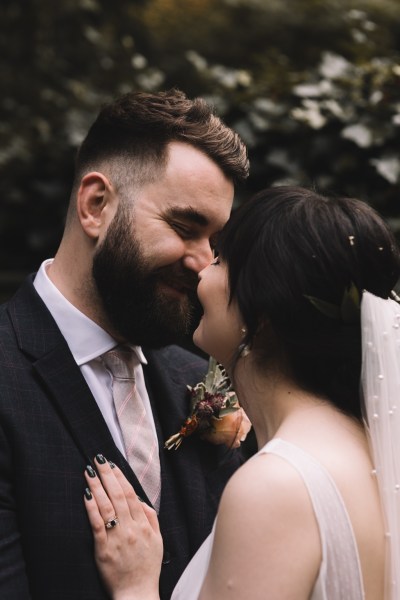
[312, 86]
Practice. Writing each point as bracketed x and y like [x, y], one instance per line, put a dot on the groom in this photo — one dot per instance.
[153, 186]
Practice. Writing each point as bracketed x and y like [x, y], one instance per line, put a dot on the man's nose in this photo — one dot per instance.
[198, 256]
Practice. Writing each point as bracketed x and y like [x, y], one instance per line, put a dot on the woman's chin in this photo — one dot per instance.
[197, 338]
[199, 341]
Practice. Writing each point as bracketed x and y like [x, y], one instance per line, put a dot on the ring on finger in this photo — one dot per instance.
[111, 523]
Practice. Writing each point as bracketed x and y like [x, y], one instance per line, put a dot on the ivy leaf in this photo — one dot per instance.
[350, 306]
[326, 308]
[347, 312]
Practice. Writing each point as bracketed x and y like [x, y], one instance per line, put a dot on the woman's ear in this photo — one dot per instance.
[94, 203]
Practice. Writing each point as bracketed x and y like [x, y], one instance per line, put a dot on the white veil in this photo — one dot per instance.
[380, 379]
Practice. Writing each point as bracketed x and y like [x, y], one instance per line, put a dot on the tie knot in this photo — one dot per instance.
[121, 362]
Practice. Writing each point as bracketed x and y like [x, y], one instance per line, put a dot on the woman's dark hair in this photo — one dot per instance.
[287, 243]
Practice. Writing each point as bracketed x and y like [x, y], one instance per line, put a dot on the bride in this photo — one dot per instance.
[301, 519]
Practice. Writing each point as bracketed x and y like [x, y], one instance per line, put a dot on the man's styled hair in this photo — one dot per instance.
[129, 138]
[288, 244]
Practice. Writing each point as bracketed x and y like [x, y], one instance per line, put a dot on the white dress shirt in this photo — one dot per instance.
[87, 342]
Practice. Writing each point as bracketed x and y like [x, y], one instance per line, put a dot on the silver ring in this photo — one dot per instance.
[111, 523]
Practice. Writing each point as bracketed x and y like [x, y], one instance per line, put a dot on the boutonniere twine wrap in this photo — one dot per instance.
[215, 412]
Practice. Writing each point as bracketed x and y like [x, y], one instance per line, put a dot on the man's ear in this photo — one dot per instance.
[94, 203]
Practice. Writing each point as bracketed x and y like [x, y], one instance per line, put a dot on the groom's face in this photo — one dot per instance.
[131, 290]
[146, 267]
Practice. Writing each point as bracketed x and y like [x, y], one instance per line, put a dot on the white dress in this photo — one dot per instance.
[339, 576]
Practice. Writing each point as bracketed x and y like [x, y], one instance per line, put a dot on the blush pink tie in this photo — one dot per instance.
[140, 441]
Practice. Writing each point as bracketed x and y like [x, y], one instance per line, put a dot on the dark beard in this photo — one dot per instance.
[135, 306]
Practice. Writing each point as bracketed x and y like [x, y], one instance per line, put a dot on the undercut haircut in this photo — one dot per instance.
[129, 138]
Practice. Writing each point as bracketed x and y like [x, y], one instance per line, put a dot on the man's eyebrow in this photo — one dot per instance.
[188, 214]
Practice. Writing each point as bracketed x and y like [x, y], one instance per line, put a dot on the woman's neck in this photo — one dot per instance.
[272, 401]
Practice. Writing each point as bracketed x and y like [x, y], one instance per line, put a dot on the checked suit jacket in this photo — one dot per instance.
[51, 428]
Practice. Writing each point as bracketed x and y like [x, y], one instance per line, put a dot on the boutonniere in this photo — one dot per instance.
[215, 412]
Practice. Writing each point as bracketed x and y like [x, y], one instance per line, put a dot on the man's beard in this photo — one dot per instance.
[135, 304]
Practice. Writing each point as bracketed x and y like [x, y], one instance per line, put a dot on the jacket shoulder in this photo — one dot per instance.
[178, 363]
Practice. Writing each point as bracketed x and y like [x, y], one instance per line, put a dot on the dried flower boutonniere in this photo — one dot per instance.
[215, 412]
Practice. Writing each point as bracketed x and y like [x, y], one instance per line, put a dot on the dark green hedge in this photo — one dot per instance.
[313, 86]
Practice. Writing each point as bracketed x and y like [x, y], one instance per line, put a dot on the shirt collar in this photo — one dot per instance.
[85, 338]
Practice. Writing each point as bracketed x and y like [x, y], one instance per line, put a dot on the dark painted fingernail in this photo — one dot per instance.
[90, 471]
[100, 459]
[111, 464]
[88, 494]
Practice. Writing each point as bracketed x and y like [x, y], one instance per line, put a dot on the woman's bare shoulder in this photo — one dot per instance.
[266, 480]
[266, 534]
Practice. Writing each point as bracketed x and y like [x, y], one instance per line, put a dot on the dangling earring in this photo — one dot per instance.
[244, 349]
[395, 296]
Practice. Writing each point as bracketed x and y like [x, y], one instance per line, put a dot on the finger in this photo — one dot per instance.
[95, 519]
[104, 503]
[135, 503]
[152, 517]
[119, 490]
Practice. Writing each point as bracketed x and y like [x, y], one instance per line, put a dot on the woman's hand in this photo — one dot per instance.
[129, 551]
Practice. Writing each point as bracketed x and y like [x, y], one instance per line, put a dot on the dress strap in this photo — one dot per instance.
[340, 572]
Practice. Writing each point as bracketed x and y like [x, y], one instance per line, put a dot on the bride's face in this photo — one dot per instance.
[220, 330]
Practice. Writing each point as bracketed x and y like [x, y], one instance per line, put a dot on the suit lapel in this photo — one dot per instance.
[40, 339]
[166, 381]
[74, 402]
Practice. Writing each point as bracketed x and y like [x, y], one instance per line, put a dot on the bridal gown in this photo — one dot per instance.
[339, 576]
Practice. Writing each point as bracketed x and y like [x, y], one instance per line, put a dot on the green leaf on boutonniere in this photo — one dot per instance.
[226, 411]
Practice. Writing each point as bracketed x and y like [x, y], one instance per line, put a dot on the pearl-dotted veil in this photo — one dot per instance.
[380, 381]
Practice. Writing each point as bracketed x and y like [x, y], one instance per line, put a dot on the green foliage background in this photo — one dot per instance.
[313, 87]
